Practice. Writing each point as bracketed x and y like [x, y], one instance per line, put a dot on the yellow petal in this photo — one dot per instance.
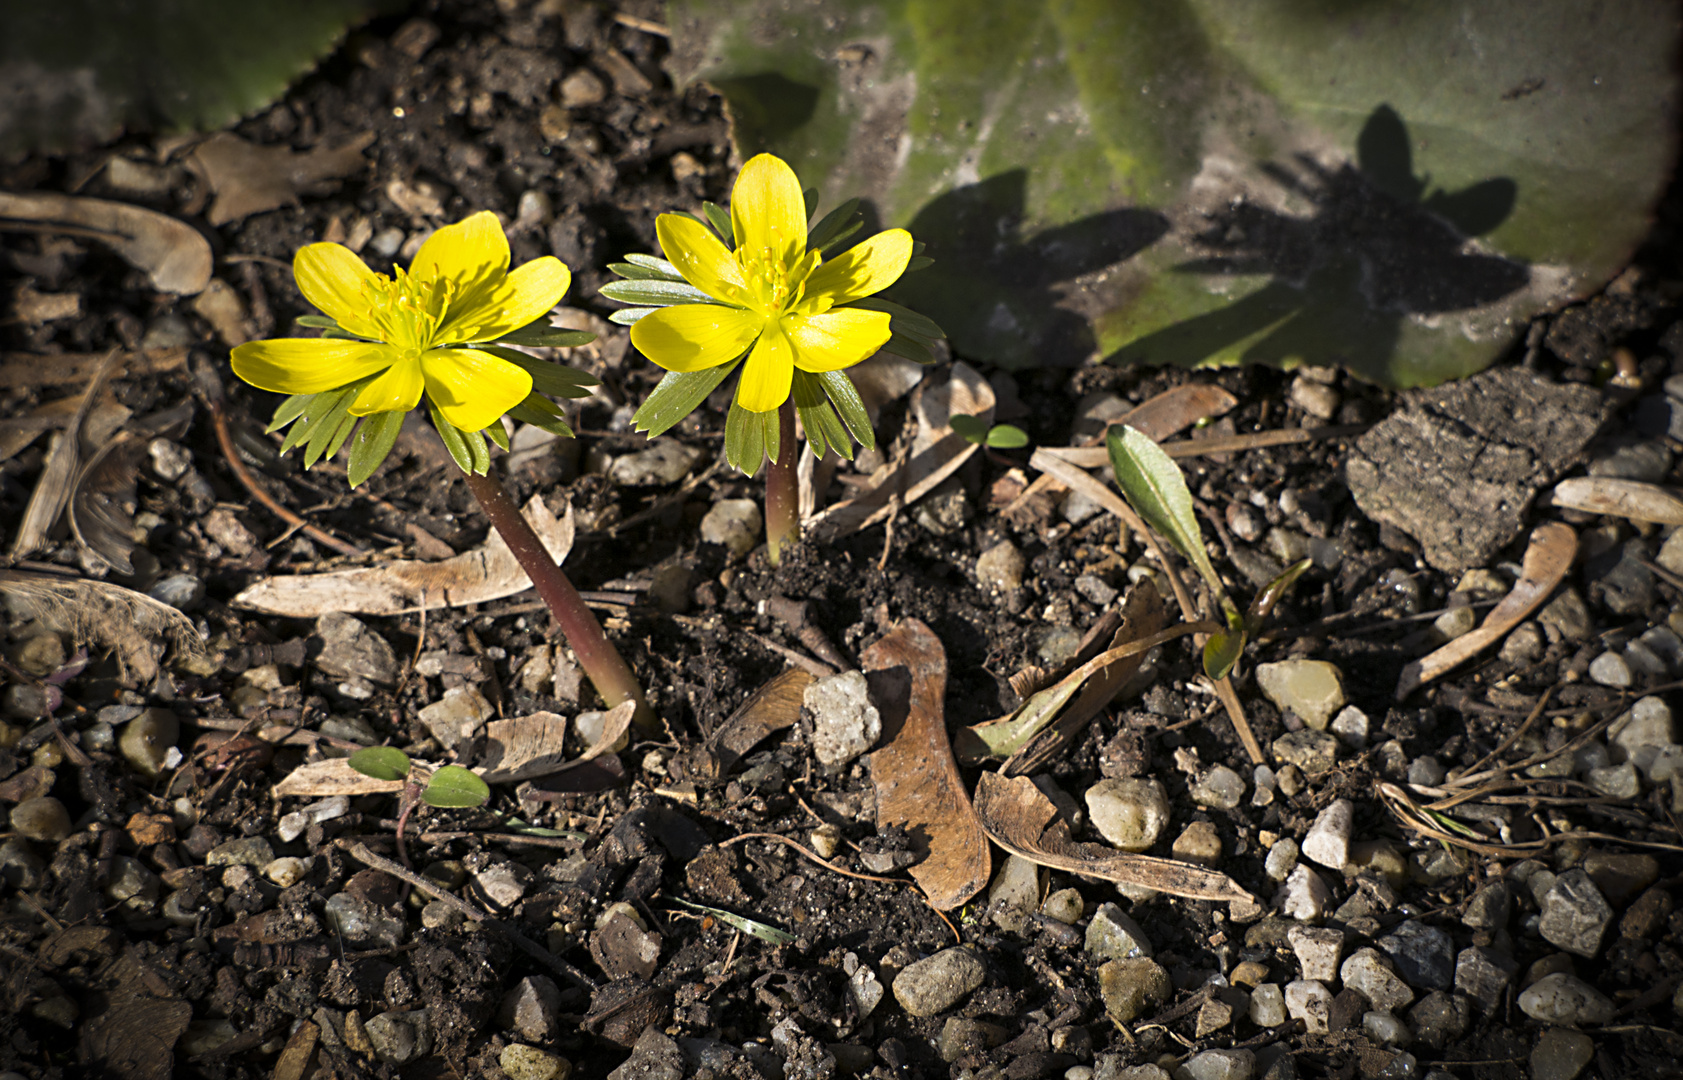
[527, 293]
[398, 390]
[473, 388]
[701, 258]
[864, 269]
[331, 277]
[836, 339]
[769, 372]
[766, 208]
[308, 365]
[693, 337]
[473, 253]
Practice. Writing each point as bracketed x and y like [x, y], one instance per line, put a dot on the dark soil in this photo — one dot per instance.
[219, 971]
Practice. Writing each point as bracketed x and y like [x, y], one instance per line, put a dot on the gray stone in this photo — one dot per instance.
[1648, 461]
[654, 1057]
[1057, 645]
[1113, 935]
[1424, 955]
[1639, 734]
[1328, 842]
[400, 1037]
[1219, 788]
[1014, 893]
[845, 723]
[945, 510]
[1488, 908]
[1304, 896]
[363, 923]
[1351, 727]
[1218, 1064]
[1131, 987]
[734, 524]
[350, 649]
[1310, 1001]
[457, 715]
[1282, 858]
[1366, 972]
[1574, 916]
[1000, 568]
[1317, 950]
[939, 982]
[1565, 999]
[663, 461]
[1311, 751]
[1078, 506]
[1312, 689]
[1440, 1019]
[1425, 771]
[522, 1062]
[1095, 589]
[251, 851]
[1383, 1027]
[1130, 813]
[1268, 1005]
[503, 883]
[1619, 878]
[532, 1009]
[1568, 615]
[183, 592]
[1615, 781]
[1484, 975]
[866, 990]
[1525, 644]
[1611, 669]
[1458, 465]
[961, 1037]
[1561, 1054]
[169, 460]
[1065, 905]
[1316, 399]
[1620, 581]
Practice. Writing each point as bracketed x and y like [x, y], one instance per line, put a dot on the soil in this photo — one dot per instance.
[127, 953]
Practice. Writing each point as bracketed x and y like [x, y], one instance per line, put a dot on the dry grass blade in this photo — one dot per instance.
[52, 490]
[139, 629]
[1021, 819]
[1547, 559]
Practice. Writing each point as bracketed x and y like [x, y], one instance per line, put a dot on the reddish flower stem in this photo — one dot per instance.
[607, 669]
[783, 490]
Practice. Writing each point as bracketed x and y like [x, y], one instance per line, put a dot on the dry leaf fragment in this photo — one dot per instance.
[333, 776]
[250, 179]
[139, 629]
[1631, 499]
[1021, 819]
[58, 478]
[916, 778]
[1547, 559]
[28, 371]
[489, 572]
[528, 747]
[771, 708]
[170, 252]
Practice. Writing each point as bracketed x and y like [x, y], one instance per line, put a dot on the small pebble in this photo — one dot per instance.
[1423, 954]
[845, 723]
[1425, 771]
[1574, 916]
[1561, 1054]
[42, 818]
[1304, 896]
[1129, 813]
[1565, 999]
[1525, 644]
[1132, 987]
[1268, 1005]
[1113, 935]
[1065, 905]
[1220, 788]
[1317, 950]
[733, 523]
[1307, 751]
[1000, 568]
[1313, 689]
[1328, 842]
[1611, 669]
[1282, 859]
[1198, 843]
[1218, 1065]
[1310, 1001]
[1351, 727]
[1366, 972]
[522, 1062]
[939, 982]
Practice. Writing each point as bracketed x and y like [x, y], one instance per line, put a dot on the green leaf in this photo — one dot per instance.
[318, 322]
[88, 70]
[678, 394]
[629, 316]
[454, 441]
[326, 431]
[1007, 437]
[498, 434]
[657, 264]
[720, 221]
[655, 293]
[824, 429]
[540, 334]
[548, 377]
[316, 409]
[380, 762]
[340, 434]
[1219, 181]
[918, 262]
[745, 440]
[764, 931]
[478, 452]
[903, 320]
[374, 441]
[540, 412]
[1262, 604]
[1221, 651]
[970, 428]
[1155, 488]
[288, 411]
[909, 348]
[835, 226]
[454, 786]
[849, 406]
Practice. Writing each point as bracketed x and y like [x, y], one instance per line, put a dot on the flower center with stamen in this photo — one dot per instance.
[407, 310]
[774, 285]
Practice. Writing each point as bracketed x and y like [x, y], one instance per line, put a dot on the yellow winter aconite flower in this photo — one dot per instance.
[773, 298]
[408, 331]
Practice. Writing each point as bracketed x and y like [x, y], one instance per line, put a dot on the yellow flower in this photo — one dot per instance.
[774, 297]
[458, 291]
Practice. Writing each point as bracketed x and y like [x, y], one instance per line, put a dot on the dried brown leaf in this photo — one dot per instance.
[1547, 559]
[139, 629]
[528, 747]
[1630, 499]
[333, 776]
[916, 778]
[171, 253]
[52, 489]
[489, 572]
[1021, 819]
[28, 371]
[770, 709]
[250, 179]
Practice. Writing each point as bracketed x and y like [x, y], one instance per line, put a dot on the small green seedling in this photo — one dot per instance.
[1153, 485]
[753, 927]
[998, 437]
[447, 787]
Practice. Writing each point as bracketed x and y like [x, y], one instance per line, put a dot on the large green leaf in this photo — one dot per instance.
[1394, 187]
[77, 72]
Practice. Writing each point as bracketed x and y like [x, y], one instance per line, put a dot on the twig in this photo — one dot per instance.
[799, 659]
[210, 391]
[645, 25]
[360, 852]
[813, 855]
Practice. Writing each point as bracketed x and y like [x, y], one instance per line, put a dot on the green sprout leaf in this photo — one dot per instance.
[1262, 605]
[380, 762]
[1155, 488]
[1000, 436]
[849, 406]
[763, 931]
[678, 394]
[655, 292]
[1221, 652]
[454, 786]
[750, 438]
[540, 334]
[374, 440]
[1007, 437]
[1220, 181]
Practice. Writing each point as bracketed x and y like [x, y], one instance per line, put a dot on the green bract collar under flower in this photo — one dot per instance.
[756, 291]
[439, 329]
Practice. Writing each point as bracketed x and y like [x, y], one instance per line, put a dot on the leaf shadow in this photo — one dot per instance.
[1380, 247]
